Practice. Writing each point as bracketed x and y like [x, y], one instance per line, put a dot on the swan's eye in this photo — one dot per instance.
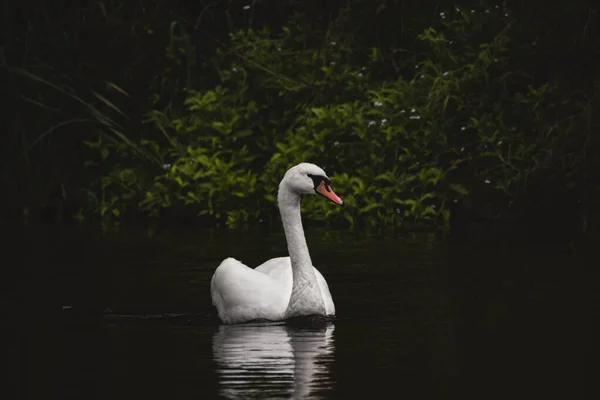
[317, 179]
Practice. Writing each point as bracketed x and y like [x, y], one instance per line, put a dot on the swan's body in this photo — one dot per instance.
[282, 287]
[242, 294]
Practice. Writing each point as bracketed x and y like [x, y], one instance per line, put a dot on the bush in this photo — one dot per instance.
[454, 120]
[411, 119]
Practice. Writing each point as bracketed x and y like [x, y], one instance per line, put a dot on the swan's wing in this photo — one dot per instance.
[280, 269]
[241, 294]
[327, 299]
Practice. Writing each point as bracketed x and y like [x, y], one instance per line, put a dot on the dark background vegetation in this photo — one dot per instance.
[425, 114]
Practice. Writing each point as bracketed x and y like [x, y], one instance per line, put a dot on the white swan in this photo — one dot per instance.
[282, 287]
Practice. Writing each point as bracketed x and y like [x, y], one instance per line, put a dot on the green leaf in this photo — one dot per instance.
[459, 189]
[369, 207]
[428, 211]
[349, 218]
[319, 112]
[180, 181]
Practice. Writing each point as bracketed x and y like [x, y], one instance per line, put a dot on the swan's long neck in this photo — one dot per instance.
[306, 295]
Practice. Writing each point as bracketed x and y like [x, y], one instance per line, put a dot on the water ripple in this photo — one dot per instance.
[273, 360]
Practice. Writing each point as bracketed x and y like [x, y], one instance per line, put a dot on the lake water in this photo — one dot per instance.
[128, 315]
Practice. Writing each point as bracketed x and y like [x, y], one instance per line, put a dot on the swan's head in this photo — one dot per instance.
[306, 178]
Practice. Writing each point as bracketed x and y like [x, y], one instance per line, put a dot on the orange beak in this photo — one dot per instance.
[324, 190]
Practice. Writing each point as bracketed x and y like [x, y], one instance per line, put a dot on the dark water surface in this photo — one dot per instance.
[125, 315]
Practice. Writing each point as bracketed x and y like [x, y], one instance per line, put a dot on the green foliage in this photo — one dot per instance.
[393, 142]
[406, 135]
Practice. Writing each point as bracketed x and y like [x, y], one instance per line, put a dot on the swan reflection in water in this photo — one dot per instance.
[273, 359]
